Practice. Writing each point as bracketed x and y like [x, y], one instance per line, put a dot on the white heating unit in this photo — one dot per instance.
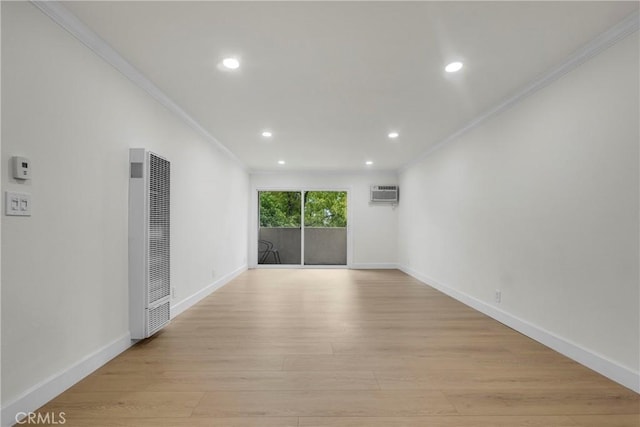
[149, 243]
[384, 194]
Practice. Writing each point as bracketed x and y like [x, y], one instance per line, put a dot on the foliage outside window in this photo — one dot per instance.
[325, 209]
[322, 209]
[279, 209]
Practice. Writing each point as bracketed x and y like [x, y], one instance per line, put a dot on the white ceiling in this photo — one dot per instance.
[331, 79]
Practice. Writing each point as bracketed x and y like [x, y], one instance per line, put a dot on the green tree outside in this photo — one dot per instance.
[325, 209]
[279, 209]
[322, 209]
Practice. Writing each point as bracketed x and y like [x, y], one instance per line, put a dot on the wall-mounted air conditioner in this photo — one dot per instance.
[384, 194]
[149, 243]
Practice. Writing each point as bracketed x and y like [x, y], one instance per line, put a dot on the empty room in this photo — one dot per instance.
[320, 213]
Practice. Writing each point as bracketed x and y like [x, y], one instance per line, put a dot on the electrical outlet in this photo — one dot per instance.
[173, 292]
[498, 296]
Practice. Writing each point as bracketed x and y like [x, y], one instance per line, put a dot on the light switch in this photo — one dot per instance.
[17, 204]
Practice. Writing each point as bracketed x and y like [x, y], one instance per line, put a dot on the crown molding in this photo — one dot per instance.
[67, 20]
[624, 28]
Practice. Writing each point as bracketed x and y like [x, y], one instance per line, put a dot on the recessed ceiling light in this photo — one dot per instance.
[267, 134]
[393, 135]
[368, 163]
[281, 162]
[231, 63]
[453, 67]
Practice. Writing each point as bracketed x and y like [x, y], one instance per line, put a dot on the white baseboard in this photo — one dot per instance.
[374, 266]
[43, 392]
[588, 358]
[203, 293]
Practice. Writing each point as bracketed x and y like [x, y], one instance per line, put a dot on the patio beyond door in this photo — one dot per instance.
[302, 227]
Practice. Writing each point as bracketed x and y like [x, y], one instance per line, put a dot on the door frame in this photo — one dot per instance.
[254, 227]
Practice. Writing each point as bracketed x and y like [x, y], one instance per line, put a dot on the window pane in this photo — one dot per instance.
[325, 232]
[325, 209]
[279, 209]
[280, 234]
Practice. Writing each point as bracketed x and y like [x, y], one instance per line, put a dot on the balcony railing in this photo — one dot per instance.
[323, 246]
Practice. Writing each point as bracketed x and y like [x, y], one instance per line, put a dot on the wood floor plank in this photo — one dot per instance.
[341, 348]
[438, 421]
[432, 347]
[103, 405]
[119, 382]
[160, 363]
[220, 348]
[496, 380]
[632, 420]
[201, 381]
[185, 422]
[546, 402]
[263, 380]
[368, 362]
[323, 403]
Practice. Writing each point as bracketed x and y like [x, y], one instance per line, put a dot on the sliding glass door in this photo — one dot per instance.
[325, 228]
[302, 227]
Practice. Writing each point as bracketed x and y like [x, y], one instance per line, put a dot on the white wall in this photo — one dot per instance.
[373, 228]
[64, 269]
[1, 171]
[542, 203]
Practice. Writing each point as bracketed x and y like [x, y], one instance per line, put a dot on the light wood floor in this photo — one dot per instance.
[342, 348]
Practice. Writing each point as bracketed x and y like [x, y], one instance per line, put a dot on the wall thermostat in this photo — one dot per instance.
[21, 167]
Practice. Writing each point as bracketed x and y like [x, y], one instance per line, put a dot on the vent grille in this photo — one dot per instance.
[159, 226]
[384, 195]
[158, 317]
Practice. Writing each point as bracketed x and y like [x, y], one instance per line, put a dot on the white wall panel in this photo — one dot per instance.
[541, 202]
[64, 269]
